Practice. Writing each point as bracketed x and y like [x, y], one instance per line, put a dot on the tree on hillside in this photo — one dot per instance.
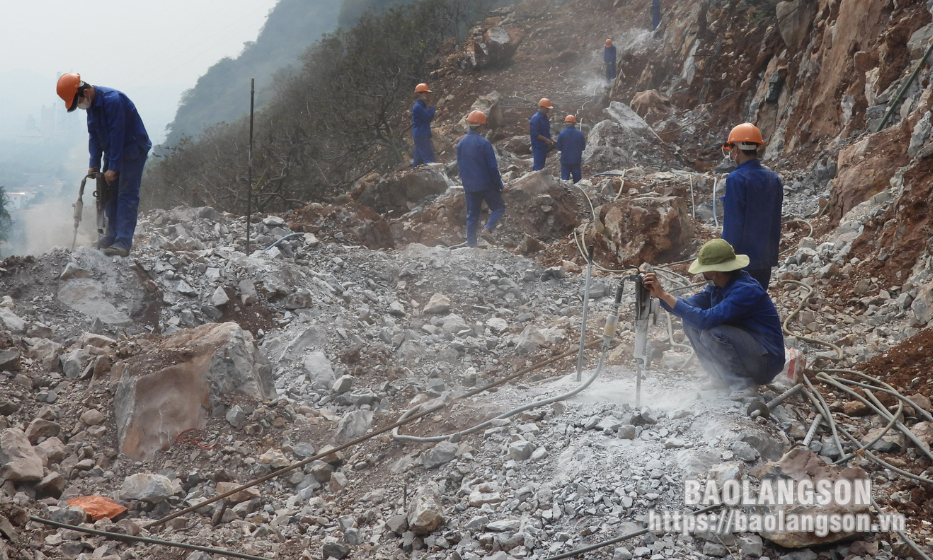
[343, 115]
[6, 221]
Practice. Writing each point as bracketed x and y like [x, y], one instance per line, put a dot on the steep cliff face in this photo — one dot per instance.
[810, 74]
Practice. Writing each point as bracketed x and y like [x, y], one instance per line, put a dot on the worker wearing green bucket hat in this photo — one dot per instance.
[732, 325]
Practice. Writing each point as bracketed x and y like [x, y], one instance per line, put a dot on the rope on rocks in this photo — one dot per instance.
[122, 537]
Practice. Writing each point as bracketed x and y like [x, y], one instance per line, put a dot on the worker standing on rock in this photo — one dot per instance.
[655, 14]
[571, 143]
[609, 57]
[752, 204]
[421, 116]
[118, 135]
[732, 325]
[479, 173]
[540, 127]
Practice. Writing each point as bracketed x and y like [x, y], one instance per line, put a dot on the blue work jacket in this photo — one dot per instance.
[571, 143]
[609, 54]
[539, 124]
[421, 117]
[741, 303]
[479, 170]
[115, 130]
[751, 220]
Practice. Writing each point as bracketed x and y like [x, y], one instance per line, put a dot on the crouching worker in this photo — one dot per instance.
[732, 324]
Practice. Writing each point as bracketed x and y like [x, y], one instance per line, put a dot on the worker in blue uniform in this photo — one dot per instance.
[655, 14]
[571, 143]
[479, 173]
[118, 135]
[732, 325]
[540, 130]
[609, 57]
[752, 204]
[421, 116]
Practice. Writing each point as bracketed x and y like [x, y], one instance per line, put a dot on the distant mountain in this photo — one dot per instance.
[222, 94]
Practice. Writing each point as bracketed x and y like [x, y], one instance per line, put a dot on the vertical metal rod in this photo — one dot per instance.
[638, 386]
[586, 308]
[249, 159]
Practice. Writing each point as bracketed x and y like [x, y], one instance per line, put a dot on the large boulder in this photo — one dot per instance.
[147, 487]
[424, 511]
[204, 363]
[19, 461]
[492, 48]
[353, 425]
[489, 105]
[794, 20]
[802, 464]
[651, 103]
[400, 192]
[623, 140]
[646, 229]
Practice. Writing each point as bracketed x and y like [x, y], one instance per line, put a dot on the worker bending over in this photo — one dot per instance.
[479, 173]
[751, 220]
[732, 324]
[421, 116]
[118, 135]
[571, 143]
[540, 128]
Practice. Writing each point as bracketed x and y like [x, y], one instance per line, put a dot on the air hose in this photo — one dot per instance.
[608, 333]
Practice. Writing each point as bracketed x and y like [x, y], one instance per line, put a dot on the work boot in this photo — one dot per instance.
[486, 234]
[116, 250]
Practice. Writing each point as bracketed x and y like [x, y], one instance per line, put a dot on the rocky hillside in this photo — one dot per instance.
[154, 383]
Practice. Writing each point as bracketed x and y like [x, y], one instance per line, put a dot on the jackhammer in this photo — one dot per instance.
[646, 309]
[102, 197]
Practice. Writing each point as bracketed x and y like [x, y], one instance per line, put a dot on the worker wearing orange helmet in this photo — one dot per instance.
[421, 116]
[479, 173]
[571, 143]
[609, 57]
[540, 129]
[752, 204]
[117, 135]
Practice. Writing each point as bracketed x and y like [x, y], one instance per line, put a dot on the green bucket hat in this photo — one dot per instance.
[717, 256]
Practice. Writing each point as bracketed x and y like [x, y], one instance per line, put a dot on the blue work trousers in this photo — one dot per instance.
[733, 356]
[540, 158]
[610, 71]
[123, 206]
[762, 275]
[424, 151]
[568, 170]
[474, 204]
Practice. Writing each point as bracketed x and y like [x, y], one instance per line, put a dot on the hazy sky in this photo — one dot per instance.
[150, 50]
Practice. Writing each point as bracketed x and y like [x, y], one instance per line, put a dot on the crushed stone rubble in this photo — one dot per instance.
[354, 337]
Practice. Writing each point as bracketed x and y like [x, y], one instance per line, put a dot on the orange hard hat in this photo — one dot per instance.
[546, 103]
[422, 88]
[746, 136]
[608, 42]
[67, 89]
[476, 117]
[570, 119]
